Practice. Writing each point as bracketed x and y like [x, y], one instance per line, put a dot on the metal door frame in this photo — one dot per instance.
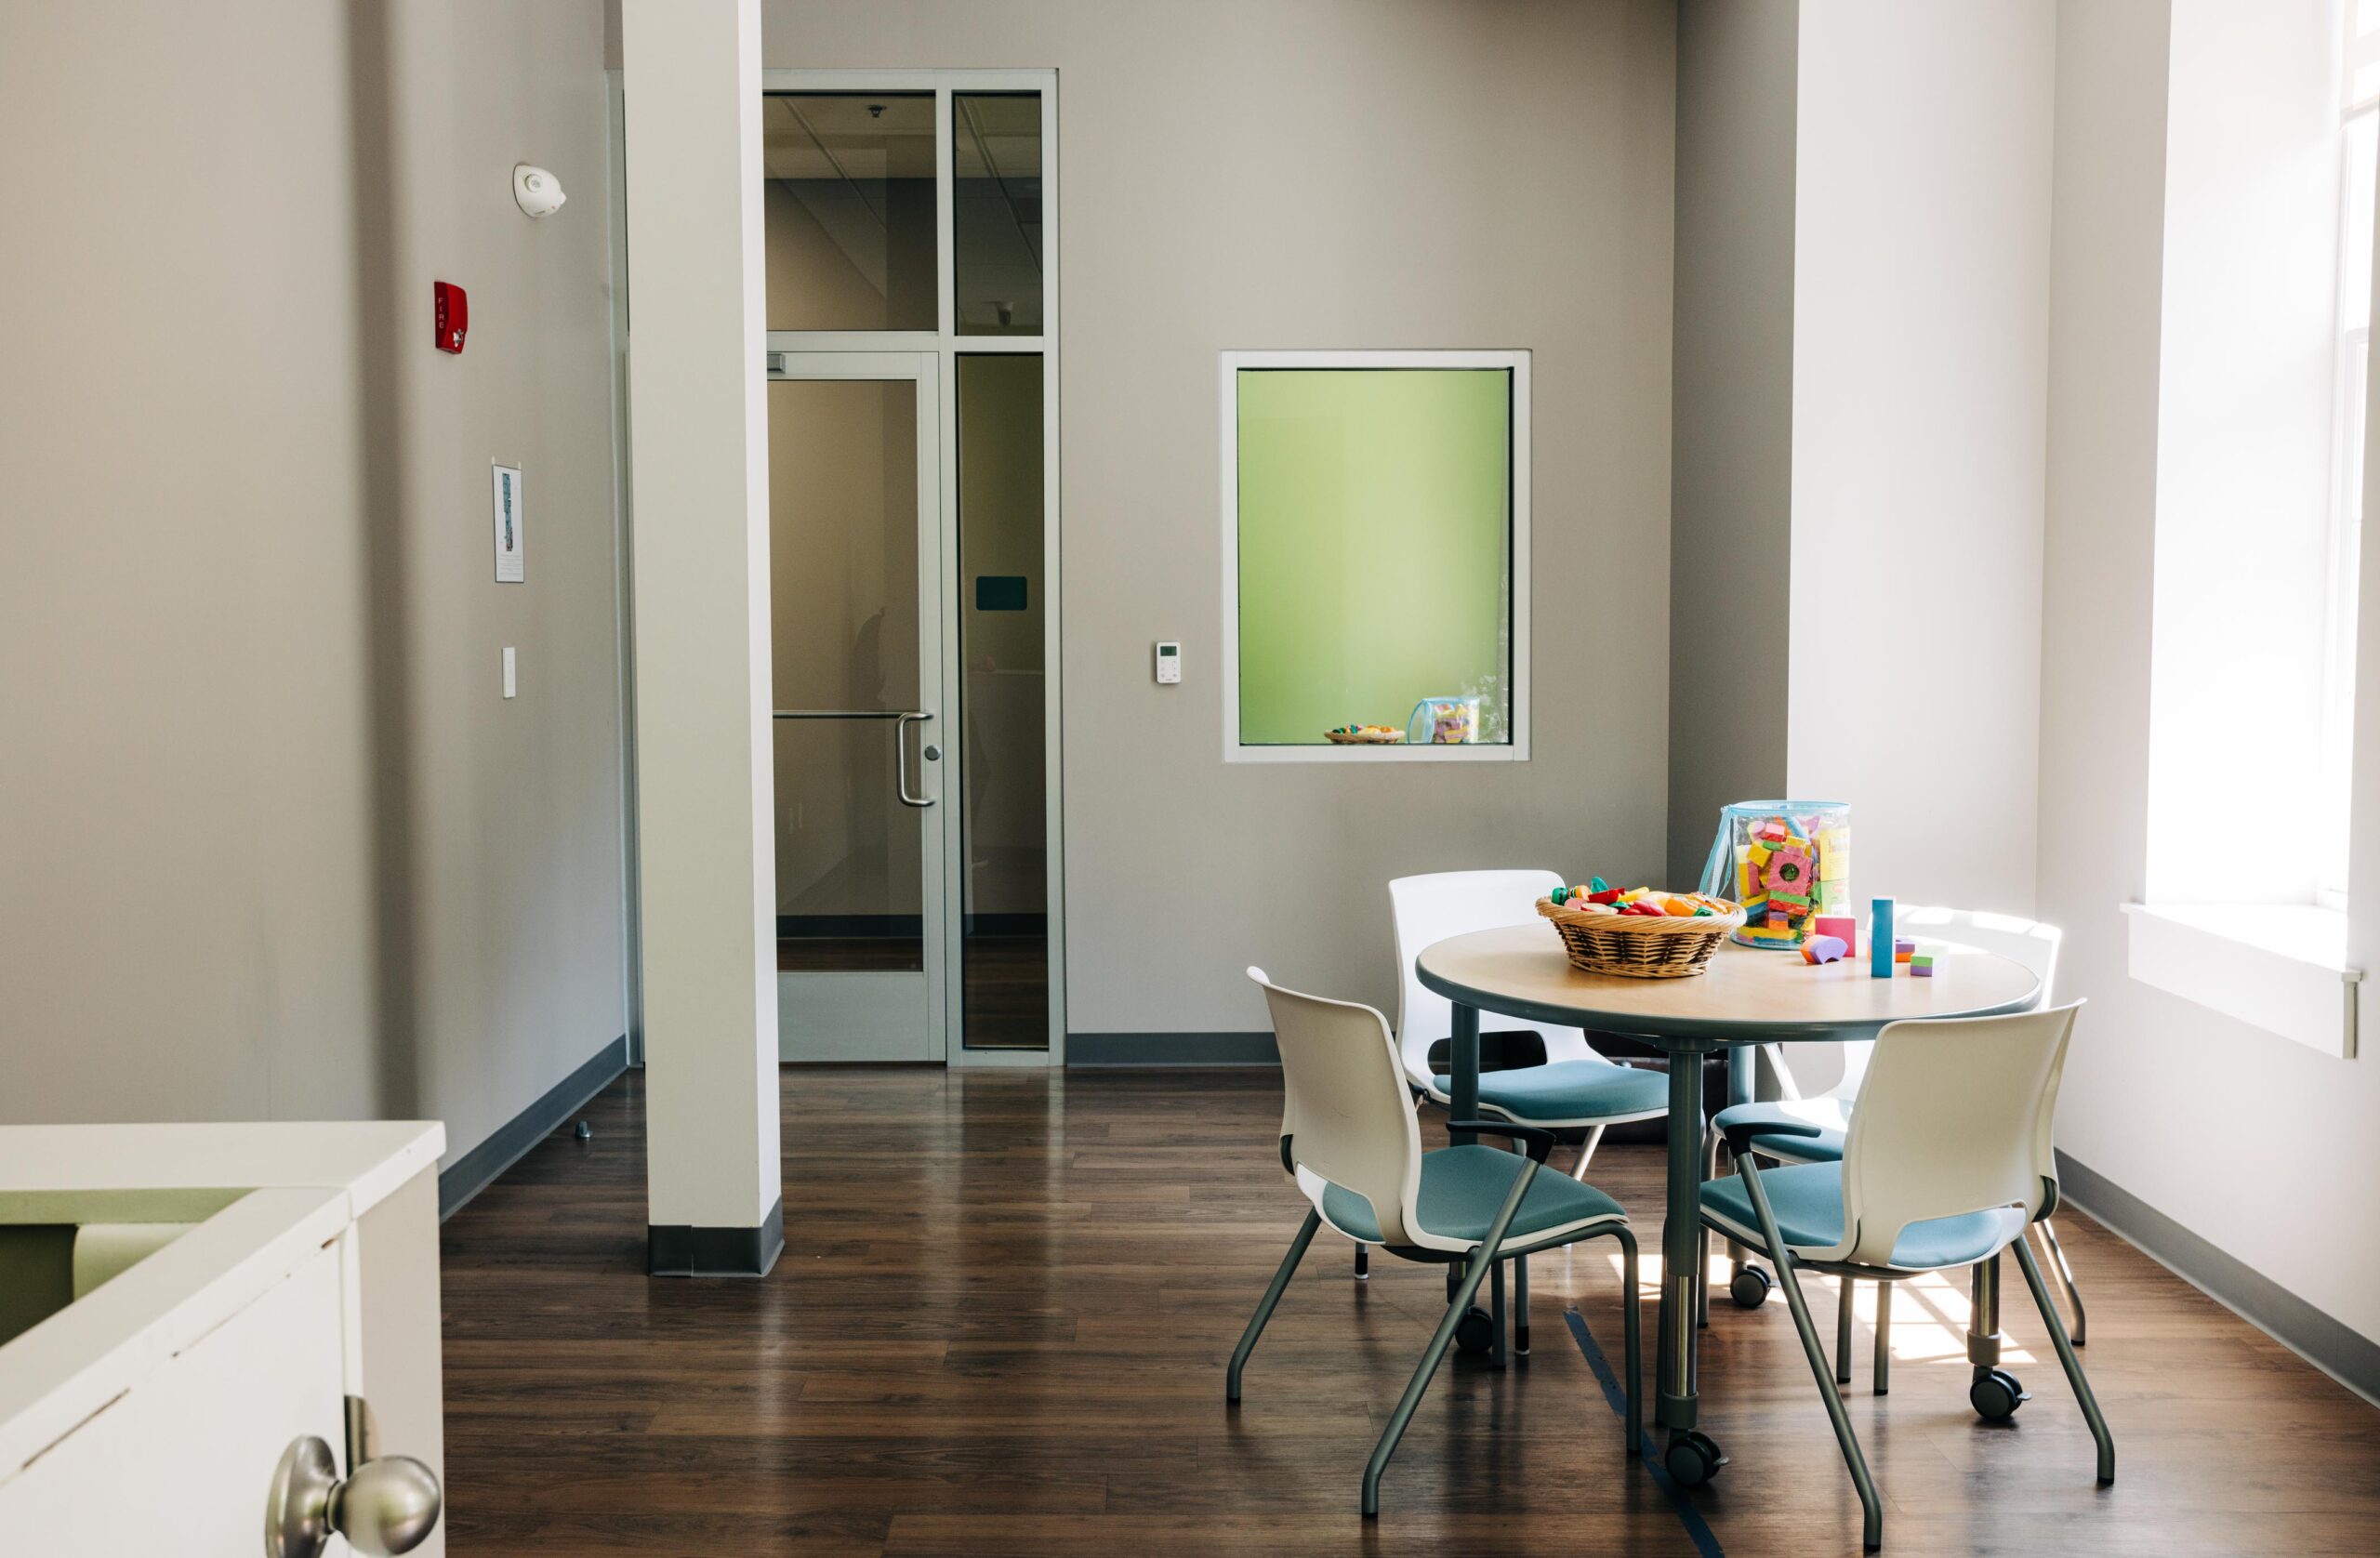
[938, 923]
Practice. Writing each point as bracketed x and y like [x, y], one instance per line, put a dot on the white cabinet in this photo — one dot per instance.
[148, 1415]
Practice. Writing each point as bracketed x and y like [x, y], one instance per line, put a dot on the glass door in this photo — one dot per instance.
[855, 629]
[912, 216]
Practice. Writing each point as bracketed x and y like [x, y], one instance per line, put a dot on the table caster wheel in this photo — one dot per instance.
[1692, 1459]
[1995, 1395]
[1750, 1286]
[1476, 1333]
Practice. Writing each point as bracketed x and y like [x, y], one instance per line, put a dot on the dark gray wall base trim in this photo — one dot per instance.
[1171, 1050]
[687, 1252]
[478, 1168]
[2338, 1349]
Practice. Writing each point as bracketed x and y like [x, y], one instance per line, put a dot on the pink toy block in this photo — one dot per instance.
[1843, 928]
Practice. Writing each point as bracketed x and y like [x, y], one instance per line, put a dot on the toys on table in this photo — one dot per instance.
[1903, 950]
[1824, 949]
[1444, 721]
[1600, 897]
[1880, 937]
[1842, 927]
[1787, 863]
[1922, 966]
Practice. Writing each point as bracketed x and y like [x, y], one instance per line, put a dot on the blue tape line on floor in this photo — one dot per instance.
[1697, 1530]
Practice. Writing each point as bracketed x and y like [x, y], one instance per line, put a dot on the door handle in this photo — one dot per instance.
[901, 759]
[387, 1507]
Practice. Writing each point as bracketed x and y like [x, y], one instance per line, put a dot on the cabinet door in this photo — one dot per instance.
[179, 1464]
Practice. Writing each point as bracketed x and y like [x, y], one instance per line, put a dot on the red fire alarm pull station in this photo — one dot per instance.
[454, 315]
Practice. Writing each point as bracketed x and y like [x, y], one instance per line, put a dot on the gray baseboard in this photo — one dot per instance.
[478, 1168]
[2339, 1351]
[690, 1252]
[1227, 1049]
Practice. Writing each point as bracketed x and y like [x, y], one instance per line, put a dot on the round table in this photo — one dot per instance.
[1747, 996]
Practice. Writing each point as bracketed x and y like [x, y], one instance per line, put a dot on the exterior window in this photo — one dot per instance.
[1376, 552]
[2361, 126]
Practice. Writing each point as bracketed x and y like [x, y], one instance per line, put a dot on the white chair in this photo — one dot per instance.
[2031, 943]
[1351, 1142]
[1947, 1162]
[1575, 1089]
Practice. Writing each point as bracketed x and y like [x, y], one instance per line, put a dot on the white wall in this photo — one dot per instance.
[1240, 174]
[274, 845]
[1862, 333]
[2259, 1145]
[1921, 289]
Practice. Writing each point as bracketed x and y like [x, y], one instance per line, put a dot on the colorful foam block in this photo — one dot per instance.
[1880, 937]
[1903, 951]
[1921, 967]
[1824, 949]
[1843, 928]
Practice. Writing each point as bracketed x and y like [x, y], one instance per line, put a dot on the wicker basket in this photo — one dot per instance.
[1394, 738]
[1640, 947]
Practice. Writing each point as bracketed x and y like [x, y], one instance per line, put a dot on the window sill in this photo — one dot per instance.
[2279, 967]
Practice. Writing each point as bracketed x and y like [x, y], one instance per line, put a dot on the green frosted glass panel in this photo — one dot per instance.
[1375, 548]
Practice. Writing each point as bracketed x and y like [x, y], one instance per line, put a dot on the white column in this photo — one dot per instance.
[698, 453]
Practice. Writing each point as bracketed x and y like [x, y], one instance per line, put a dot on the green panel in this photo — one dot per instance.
[1375, 548]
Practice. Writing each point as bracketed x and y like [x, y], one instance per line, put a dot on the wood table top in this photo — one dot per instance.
[1747, 994]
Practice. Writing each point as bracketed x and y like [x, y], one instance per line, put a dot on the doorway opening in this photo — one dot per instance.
[911, 277]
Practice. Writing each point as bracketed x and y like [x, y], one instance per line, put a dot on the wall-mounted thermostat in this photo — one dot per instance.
[1168, 664]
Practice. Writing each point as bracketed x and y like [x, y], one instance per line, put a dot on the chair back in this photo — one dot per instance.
[2031, 943]
[1430, 908]
[1954, 1116]
[1346, 1115]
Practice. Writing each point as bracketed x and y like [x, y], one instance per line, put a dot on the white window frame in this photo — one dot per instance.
[1514, 751]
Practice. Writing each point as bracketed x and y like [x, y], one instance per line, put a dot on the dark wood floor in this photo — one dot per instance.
[1001, 1324]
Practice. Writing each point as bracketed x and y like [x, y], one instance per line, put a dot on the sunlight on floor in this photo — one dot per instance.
[1929, 1312]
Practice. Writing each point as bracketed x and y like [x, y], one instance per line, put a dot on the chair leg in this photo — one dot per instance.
[2067, 1360]
[1520, 1306]
[1475, 1271]
[1883, 1337]
[1703, 1266]
[1789, 1277]
[1363, 1262]
[1496, 1353]
[1702, 1280]
[2058, 1260]
[1845, 1299]
[1586, 1151]
[1272, 1297]
[1632, 1346]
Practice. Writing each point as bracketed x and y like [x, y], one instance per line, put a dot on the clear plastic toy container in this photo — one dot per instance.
[1787, 862]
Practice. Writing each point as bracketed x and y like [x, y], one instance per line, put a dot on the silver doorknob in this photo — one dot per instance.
[385, 1508]
[933, 754]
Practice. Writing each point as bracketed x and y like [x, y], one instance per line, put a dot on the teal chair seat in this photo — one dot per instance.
[1569, 1092]
[1807, 1199]
[1463, 1189]
[1826, 1147]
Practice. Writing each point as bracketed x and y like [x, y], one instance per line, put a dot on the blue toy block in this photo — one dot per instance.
[1880, 937]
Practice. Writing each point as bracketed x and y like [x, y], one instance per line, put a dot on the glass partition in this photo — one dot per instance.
[849, 210]
[996, 212]
[1004, 843]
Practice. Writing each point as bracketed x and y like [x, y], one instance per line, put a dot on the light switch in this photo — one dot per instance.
[511, 685]
[1168, 664]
